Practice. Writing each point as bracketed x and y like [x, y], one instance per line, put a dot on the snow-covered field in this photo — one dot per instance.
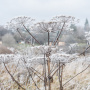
[34, 57]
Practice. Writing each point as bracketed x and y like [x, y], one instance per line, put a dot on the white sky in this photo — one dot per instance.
[44, 9]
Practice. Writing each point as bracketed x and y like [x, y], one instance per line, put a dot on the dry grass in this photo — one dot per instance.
[81, 82]
[4, 50]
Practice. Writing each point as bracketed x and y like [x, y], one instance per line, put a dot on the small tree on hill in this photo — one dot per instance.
[86, 27]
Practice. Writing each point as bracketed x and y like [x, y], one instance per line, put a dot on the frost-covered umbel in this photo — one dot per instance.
[17, 64]
[35, 55]
[65, 22]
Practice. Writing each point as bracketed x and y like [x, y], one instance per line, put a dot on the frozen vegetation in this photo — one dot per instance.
[54, 56]
[33, 57]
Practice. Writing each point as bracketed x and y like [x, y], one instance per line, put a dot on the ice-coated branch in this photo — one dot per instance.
[13, 77]
[31, 35]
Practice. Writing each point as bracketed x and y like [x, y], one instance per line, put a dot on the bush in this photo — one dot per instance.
[8, 40]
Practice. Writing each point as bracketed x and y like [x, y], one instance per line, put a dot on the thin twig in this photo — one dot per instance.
[53, 73]
[85, 50]
[13, 77]
[35, 83]
[59, 76]
[77, 74]
[31, 34]
[36, 71]
[36, 74]
[59, 34]
[45, 79]
[30, 74]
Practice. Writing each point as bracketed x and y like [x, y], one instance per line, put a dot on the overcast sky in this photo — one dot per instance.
[44, 9]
